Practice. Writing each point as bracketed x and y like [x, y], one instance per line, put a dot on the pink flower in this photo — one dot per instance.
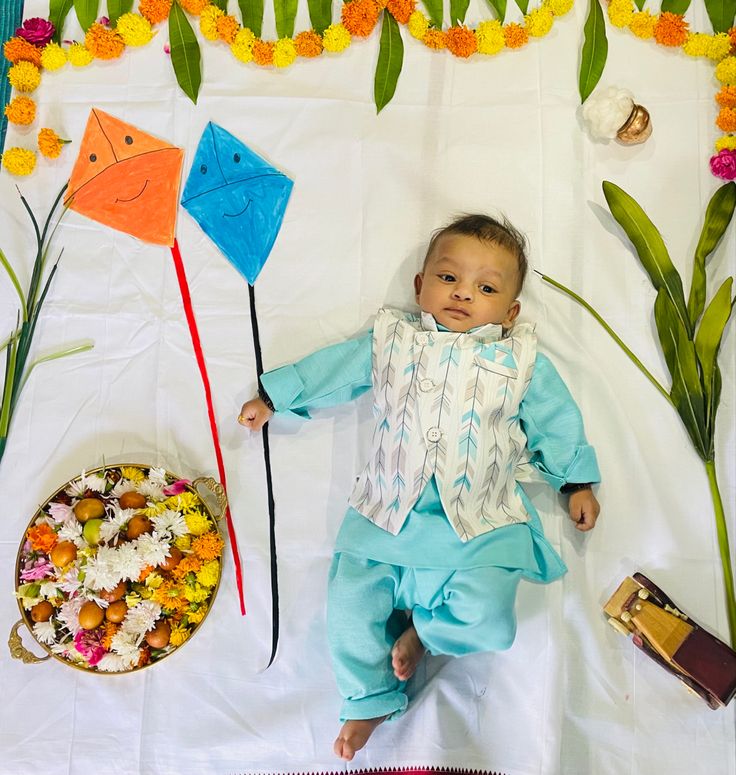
[37, 31]
[167, 48]
[176, 488]
[104, 21]
[89, 644]
[723, 164]
[39, 569]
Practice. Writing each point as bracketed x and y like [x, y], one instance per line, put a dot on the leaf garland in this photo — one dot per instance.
[116, 8]
[221, 4]
[86, 11]
[435, 9]
[499, 6]
[721, 14]
[523, 6]
[390, 61]
[251, 12]
[458, 9]
[285, 13]
[320, 14]
[595, 51]
[185, 56]
[675, 6]
[58, 11]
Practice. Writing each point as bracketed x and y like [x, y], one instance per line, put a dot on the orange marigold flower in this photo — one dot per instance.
[190, 563]
[104, 43]
[308, 44]
[461, 41]
[42, 538]
[727, 120]
[170, 596]
[434, 39]
[20, 50]
[227, 28]
[401, 10]
[145, 573]
[155, 10]
[145, 656]
[194, 7]
[263, 52]
[726, 97]
[732, 35]
[21, 110]
[359, 17]
[108, 632]
[50, 144]
[515, 36]
[208, 546]
[671, 29]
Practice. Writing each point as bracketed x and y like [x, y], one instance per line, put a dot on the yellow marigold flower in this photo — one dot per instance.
[515, 35]
[720, 46]
[401, 10]
[727, 141]
[104, 43]
[183, 542]
[359, 17]
[194, 7]
[726, 71]
[335, 38]
[179, 634]
[263, 52]
[21, 111]
[24, 76]
[53, 57]
[284, 52]
[461, 41]
[242, 46]
[196, 616]
[208, 21]
[20, 50]
[726, 97]
[50, 144]
[197, 523]
[727, 120]
[697, 44]
[134, 29]
[209, 573]
[539, 22]
[418, 25]
[434, 39]
[642, 24]
[79, 55]
[227, 28]
[155, 10]
[558, 7]
[170, 596]
[184, 501]
[621, 12]
[671, 29]
[132, 473]
[490, 37]
[208, 546]
[308, 44]
[196, 593]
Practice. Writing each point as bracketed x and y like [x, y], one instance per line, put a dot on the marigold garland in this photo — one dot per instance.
[24, 76]
[155, 10]
[53, 57]
[671, 29]
[20, 50]
[135, 30]
[50, 144]
[104, 43]
[308, 44]
[726, 97]
[21, 111]
[515, 35]
[401, 10]
[263, 52]
[79, 55]
[284, 52]
[335, 38]
[434, 39]
[194, 7]
[359, 17]
[208, 21]
[461, 41]
[227, 28]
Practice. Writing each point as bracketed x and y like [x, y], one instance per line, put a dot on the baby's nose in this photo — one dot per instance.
[462, 292]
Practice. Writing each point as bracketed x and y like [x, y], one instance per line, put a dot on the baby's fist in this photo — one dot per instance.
[584, 509]
[254, 414]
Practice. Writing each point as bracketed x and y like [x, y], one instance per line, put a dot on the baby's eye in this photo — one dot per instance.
[487, 289]
[448, 278]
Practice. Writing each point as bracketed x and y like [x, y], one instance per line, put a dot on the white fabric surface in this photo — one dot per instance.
[571, 696]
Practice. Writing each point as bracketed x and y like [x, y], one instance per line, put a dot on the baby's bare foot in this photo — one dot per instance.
[406, 654]
[354, 735]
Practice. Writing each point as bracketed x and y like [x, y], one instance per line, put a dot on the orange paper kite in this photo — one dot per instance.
[126, 179]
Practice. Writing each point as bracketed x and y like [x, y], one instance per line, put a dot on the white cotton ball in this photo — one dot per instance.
[606, 111]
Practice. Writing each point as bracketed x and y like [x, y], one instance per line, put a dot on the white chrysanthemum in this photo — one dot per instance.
[606, 111]
[72, 531]
[157, 476]
[153, 549]
[113, 524]
[170, 524]
[114, 663]
[93, 482]
[61, 512]
[48, 589]
[152, 490]
[124, 644]
[122, 486]
[45, 632]
[69, 614]
[140, 619]
[62, 649]
[110, 566]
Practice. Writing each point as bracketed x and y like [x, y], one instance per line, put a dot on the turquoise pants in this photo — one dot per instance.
[454, 612]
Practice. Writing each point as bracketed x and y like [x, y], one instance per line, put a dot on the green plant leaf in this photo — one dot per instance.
[221, 4]
[185, 57]
[649, 246]
[285, 12]
[458, 9]
[499, 6]
[14, 279]
[251, 12]
[390, 60]
[667, 324]
[86, 11]
[640, 4]
[523, 5]
[435, 11]
[320, 14]
[58, 11]
[717, 217]
[675, 6]
[687, 393]
[721, 14]
[595, 51]
[116, 8]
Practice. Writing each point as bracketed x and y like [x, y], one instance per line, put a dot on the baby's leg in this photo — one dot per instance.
[407, 653]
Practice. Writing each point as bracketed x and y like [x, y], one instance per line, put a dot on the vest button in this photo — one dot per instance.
[434, 435]
[421, 340]
[425, 385]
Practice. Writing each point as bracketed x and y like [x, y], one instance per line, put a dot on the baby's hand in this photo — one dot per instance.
[584, 509]
[254, 414]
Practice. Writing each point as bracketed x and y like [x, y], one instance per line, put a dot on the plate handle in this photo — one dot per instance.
[19, 651]
[215, 489]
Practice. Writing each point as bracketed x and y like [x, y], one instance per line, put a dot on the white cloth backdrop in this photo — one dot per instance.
[502, 133]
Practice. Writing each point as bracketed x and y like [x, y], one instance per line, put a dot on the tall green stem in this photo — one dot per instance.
[723, 548]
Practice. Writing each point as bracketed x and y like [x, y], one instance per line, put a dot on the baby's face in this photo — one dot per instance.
[468, 282]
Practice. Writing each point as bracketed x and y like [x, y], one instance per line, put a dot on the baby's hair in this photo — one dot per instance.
[499, 232]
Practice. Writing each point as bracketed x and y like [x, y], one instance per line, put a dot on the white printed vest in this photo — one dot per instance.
[446, 404]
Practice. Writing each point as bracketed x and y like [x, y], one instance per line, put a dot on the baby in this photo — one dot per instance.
[438, 524]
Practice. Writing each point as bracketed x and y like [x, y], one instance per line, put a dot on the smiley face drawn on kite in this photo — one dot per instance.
[237, 198]
[127, 179]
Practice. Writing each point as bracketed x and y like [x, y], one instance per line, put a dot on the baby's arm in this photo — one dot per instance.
[583, 508]
[255, 414]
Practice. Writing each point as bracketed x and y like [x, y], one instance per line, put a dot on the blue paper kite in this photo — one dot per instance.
[237, 198]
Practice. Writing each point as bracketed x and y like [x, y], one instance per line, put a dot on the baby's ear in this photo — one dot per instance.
[512, 313]
[418, 283]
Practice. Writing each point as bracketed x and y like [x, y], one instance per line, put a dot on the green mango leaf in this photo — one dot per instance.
[499, 6]
[251, 12]
[649, 246]
[221, 4]
[320, 14]
[58, 11]
[708, 341]
[435, 11]
[595, 51]
[675, 6]
[458, 9]
[116, 8]
[390, 60]
[687, 393]
[185, 57]
[285, 12]
[717, 217]
[640, 4]
[86, 11]
[523, 5]
[667, 324]
[721, 14]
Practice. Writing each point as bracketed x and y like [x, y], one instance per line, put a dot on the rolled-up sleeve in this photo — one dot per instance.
[328, 377]
[554, 429]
